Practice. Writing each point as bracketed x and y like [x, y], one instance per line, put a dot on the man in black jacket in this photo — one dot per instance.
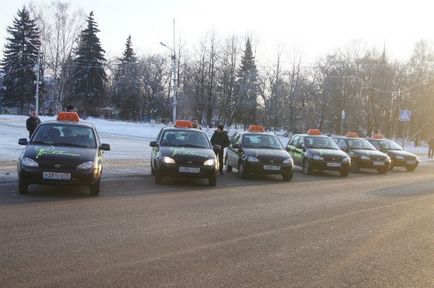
[220, 137]
[32, 122]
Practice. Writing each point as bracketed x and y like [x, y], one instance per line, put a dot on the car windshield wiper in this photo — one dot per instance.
[40, 142]
[192, 145]
[70, 144]
[267, 147]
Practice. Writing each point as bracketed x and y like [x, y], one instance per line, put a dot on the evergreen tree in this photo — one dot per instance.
[127, 85]
[246, 88]
[88, 73]
[20, 60]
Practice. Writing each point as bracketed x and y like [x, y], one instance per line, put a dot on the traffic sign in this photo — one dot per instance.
[404, 115]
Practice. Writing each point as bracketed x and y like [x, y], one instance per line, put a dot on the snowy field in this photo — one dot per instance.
[128, 140]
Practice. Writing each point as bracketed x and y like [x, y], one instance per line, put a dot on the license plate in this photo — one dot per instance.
[378, 163]
[192, 170]
[411, 162]
[333, 164]
[56, 176]
[272, 167]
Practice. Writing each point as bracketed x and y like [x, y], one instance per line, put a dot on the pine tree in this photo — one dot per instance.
[246, 89]
[88, 73]
[20, 60]
[127, 85]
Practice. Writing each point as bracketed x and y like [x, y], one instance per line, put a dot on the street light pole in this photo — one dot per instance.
[174, 80]
[38, 71]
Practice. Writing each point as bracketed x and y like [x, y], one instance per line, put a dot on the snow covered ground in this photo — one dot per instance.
[128, 140]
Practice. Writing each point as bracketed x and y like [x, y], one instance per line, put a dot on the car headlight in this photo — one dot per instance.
[287, 161]
[317, 157]
[364, 157]
[399, 157]
[168, 160]
[346, 159]
[209, 162]
[252, 159]
[86, 165]
[28, 162]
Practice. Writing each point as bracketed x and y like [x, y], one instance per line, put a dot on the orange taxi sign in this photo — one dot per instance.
[256, 128]
[377, 136]
[183, 124]
[313, 132]
[68, 116]
[352, 134]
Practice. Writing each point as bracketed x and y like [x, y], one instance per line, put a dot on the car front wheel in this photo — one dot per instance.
[23, 187]
[95, 188]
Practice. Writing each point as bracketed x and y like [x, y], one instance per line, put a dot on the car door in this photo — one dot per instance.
[299, 149]
[291, 145]
[231, 154]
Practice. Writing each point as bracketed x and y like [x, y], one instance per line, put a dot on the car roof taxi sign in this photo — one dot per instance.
[352, 134]
[68, 116]
[313, 132]
[256, 128]
[183, 124]
[377, 136]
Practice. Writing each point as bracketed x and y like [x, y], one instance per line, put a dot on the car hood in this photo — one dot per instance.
[333, 153]
[187, 153]
[393, 153]
[47, 155]
[369, 153]
[267, 154]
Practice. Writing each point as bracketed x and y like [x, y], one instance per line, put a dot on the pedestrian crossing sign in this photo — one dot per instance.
[404, 115]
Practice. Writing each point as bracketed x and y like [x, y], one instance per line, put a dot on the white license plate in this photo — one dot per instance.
[333, 164]
[56, 176]
[192, 170]
[378, 163]
[411, 162]
[272, 167]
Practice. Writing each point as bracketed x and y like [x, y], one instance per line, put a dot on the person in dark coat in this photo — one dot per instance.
[195, 124]
[32, 122]
[220, 137]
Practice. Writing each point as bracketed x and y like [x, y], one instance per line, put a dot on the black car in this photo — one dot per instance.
[183, 152]
[363, 154]
[318, 152]
[258, 153]
[398, 156]
[62, 153]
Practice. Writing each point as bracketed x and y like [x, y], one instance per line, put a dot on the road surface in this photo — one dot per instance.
[366, 230]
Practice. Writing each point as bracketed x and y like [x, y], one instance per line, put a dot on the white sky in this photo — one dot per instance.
[312, 28]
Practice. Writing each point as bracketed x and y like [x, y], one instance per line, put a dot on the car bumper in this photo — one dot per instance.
[174, 171]
[260, 168]
[404, 163]
[78, 178]
[371, 164]
[328, 165]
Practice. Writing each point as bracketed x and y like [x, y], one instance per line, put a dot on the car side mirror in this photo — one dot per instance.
[23, 141]
[153, 144]
[105, 147]
[236, 146]
[299, 146]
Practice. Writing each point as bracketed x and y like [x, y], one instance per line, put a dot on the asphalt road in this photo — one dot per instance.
[366, 230]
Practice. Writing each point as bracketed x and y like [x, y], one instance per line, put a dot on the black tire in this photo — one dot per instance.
[344, 172]
[410, 168]
[242, 171]
[95, 188]
[288, 176]
[23, 187]
[212, 181]
[307, 170]
[355, 166]
[152, 171]
[382, 170]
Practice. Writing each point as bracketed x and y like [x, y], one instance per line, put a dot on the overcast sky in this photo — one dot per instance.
[311, 28]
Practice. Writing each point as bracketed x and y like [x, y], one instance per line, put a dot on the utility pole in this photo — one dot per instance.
[174, 80]
[38, 72]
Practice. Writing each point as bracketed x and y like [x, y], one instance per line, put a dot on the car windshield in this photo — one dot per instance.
[362, 144]
[261, 141]
[65, 135]
[320, 143]
[185, 138]
[389, 145]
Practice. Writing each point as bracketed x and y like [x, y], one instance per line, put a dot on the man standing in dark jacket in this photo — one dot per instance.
[220, 137]
[32, 122]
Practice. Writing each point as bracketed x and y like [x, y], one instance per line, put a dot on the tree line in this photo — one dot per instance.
[220, 80]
